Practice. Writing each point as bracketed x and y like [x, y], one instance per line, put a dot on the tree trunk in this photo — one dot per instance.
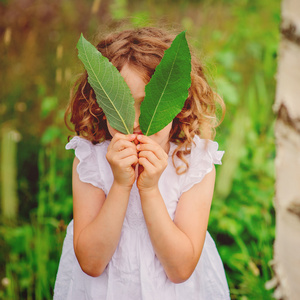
[287, 202]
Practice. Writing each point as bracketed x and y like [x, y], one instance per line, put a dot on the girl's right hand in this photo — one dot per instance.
[122, 157]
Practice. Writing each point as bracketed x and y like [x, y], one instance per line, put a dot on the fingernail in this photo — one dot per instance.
[138, 147]
[139, 137]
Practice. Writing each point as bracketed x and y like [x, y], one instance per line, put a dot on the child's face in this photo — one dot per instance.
[137, 88]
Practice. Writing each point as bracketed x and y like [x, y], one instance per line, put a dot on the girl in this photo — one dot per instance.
[140, 232]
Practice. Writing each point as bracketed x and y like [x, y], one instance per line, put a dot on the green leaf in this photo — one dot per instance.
[168, 88]
[112, 93]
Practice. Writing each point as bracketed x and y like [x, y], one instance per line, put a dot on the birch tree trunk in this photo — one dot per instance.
[287, 203]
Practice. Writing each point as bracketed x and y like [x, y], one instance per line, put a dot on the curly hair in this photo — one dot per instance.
[142, 49]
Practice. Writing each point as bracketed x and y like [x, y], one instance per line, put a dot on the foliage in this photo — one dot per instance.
[238, 42]
[167, 90]
[112, 93]
[165, 93]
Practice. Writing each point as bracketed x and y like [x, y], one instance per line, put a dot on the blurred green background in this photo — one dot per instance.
[238, 42]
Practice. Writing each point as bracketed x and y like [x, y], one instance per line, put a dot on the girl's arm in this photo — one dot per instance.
[177, 244]
[98, 221]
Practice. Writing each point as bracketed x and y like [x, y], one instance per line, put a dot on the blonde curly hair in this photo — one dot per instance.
[142, 49]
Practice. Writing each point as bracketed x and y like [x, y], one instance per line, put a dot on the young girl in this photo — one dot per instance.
[141, 204]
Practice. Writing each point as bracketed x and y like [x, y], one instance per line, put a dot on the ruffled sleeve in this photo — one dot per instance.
[204, 154]
[90, 157]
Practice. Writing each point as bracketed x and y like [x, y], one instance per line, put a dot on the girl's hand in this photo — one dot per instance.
[122, 157]
[152, 160]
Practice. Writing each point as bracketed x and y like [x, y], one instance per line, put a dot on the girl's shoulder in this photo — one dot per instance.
[204, 154]
[205, 151]
[84, 146]
[92, 165]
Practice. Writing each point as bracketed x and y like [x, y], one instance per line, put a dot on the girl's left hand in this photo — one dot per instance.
[152, 162]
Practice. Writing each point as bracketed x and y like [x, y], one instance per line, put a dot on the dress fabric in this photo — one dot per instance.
[134, 272]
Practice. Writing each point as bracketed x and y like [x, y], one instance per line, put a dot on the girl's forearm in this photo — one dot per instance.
[172, 246]
[97, 242]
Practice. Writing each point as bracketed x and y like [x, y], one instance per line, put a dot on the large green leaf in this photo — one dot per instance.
[112, 93]
[167, 90]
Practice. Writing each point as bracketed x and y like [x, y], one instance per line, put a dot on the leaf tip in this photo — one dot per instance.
[80, 39]
[182, 34]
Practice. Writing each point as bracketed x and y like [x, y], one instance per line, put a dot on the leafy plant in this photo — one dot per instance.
[112, 92]
[165, 93]
[168, 88]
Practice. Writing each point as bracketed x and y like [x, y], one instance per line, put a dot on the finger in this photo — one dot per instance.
[115, 138]
[146, 164]
[145, 139]
[122, 144]
[126, 152]
[130, 160]
[120, 152]
[123, 163]
[158, 164]
[128, 137]
[119, 136]
[156, 149]
[150, 156]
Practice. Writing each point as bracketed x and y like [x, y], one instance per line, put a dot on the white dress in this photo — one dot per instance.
[134, 272]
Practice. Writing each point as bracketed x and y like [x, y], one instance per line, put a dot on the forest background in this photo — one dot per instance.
[238, 42]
